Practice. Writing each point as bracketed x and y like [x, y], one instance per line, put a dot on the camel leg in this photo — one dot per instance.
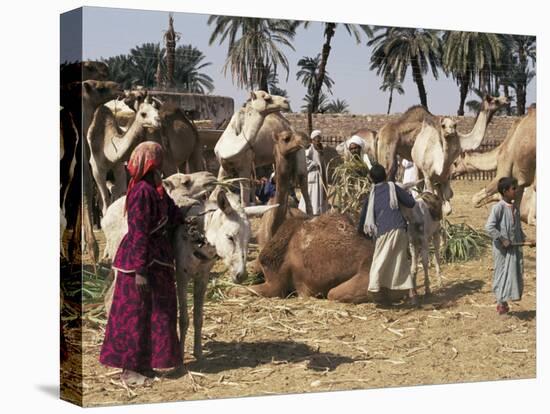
[199, 290]
[108, 300]
[480, 197]
[196, 161]
[387, 152]
[276, 284]
[182, 279]
[121, 185]
[101, 185]
[305, 194]
[437, 243]
[354, 290]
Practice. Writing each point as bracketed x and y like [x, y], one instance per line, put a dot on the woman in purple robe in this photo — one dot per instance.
[141, 331]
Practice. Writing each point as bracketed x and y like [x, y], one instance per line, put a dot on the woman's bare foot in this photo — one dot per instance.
[130, 377]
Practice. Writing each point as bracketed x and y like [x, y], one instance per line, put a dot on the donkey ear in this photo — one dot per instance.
[223, 203]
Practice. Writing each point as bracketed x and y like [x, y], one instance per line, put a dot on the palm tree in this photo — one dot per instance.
[257, 51]
[170, 38]
[391, 84]
[322, 104]
[309, 74]
[330, 30]
[187, 70]
[523, 49]
[398, 48]
[144, 61]
[466, 55]
[120, 70]
[273, 85]
[337, 107]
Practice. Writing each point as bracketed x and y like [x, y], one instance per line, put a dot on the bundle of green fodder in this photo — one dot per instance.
[463, 242]
[349, 187]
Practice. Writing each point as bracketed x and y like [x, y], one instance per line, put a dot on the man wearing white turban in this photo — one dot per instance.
[354, 146]
[315, 176]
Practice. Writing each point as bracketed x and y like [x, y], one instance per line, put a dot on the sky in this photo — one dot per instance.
[109, 32]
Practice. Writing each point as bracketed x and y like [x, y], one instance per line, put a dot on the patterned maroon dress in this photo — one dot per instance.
[141, 330]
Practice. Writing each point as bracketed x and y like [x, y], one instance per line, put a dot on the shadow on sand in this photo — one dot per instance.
[449, 293]
[222, 356]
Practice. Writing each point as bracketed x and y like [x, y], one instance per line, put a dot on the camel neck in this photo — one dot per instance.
[482, 161]
[473, 139]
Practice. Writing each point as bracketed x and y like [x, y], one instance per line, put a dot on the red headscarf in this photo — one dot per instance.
[146, 157]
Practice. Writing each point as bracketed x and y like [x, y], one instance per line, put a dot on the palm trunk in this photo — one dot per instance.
[522, 82]
[507, 94]
[417, 77]
[329, 33]
[464, 82]
[170, 37]
[390, 101]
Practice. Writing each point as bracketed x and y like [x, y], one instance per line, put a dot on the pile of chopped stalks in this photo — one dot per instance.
[463, 242]
[349, 186]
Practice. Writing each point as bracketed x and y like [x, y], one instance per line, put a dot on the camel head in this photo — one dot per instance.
[287, 142]
[265, 104]
[227, 228]
[448, 127]
[147, 113]
[242, 131]
[182, 186]
[491, 104]
[97, 93]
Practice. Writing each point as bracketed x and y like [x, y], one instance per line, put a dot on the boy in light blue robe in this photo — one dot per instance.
[504, 227]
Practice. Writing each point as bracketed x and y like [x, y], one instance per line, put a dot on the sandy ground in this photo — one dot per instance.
[258, 346]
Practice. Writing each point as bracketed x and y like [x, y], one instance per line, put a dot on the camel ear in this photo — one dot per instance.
[87, 85]
[157, 103]
[223, 203]
[252, 96]
[274, 136]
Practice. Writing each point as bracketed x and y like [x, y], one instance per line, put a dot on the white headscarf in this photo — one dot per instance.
[315, 133]
[356, 140]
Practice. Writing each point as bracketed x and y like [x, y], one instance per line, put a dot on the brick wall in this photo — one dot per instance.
[344, 125]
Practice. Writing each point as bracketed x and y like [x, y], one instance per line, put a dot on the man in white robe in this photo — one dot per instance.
[316, 171]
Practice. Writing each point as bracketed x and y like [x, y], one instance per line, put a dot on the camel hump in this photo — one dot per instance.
[434, 205]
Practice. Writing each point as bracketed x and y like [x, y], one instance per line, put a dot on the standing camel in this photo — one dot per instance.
[247, 141]
[517, 158]
[110, 147]
[397, 137]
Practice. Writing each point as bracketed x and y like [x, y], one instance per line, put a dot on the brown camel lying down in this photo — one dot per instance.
[323, 256]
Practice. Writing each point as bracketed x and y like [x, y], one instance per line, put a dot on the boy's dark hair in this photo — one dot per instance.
[505, 183]
[377, 173]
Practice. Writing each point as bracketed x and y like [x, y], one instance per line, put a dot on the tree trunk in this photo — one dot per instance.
[390, 101]
[170, 38]
[417, 77]
[329, 33]
[464, 83]
[507, 94]
[522, 82]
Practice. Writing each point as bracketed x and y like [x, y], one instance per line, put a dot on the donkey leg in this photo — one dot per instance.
[199, 290]
[182, 279]
[425, 265]
[436, 244]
